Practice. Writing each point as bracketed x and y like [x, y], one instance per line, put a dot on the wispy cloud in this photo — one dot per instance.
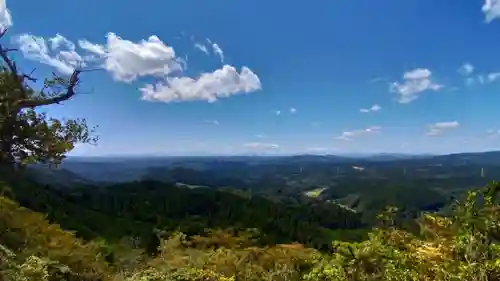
[377, 79]
[441, 127]
[261, 146]
[374, 108]
[293, 110]
[491, 9]
[466, 69]
[213, 122]
[261, 136]
[61, 54]
[349, 135]
[494, 76]
[201, 47]
[277, 112]
[414, 83]
[218, 51]
[492, 132]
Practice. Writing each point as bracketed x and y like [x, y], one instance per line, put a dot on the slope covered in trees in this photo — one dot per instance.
[464, 246]
[135, 209]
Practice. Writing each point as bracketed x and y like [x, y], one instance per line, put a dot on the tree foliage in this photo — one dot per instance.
[463, 246]
[27, 135]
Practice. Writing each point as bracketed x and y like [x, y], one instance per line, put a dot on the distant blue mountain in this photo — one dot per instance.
[126, 168]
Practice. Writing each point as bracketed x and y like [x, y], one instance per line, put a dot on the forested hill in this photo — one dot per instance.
[136, 209]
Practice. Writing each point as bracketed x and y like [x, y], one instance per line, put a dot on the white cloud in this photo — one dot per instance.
[221, 83]
[277, 112]
[5, 17]
[415, 82]
[218, 51]
[377, 79]
[482, 79]
[213, 122]
[440, 127]
[374, 108]
[201, 47]
[493, 76]
[293, 110]
[127, 60]
[93, 48]
[491, 9]
[59, 40]
[36, 48]
[261, 146]
[466, 69]
[348, 135]
[261, 136]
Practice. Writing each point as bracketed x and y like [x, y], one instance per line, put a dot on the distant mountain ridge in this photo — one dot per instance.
[123, 169]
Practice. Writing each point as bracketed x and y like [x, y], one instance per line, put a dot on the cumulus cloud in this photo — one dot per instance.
[441, 127]
[5, 17]
[293, 110]
[211, 86]
[374, 108]
[466, 69]
[349, 135]
[61, 55]
[491, 9]
[127, 60]
[261, 146]
[415, 82]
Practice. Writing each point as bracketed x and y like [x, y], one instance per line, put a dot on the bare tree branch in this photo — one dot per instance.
[69, 93]
[4, 53]
[21, 78]
[2, 33]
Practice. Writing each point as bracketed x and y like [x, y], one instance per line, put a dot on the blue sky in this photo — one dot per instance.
[414, 76]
